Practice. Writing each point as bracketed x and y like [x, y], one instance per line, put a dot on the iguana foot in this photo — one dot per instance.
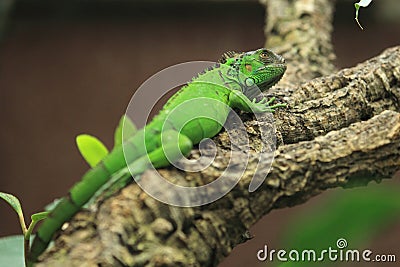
[264, 105]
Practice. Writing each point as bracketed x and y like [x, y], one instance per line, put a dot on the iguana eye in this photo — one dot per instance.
[264, 55]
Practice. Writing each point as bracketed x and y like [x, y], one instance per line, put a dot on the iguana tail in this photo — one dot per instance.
[78, 195]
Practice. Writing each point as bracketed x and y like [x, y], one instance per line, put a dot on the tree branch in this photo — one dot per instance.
[301, 32]
[340, 130]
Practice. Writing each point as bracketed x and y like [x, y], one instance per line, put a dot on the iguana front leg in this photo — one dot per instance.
[238, 100]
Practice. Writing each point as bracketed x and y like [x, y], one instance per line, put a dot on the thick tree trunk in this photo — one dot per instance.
[341, 129]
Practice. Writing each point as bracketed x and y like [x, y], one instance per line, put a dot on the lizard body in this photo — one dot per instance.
[230, 83]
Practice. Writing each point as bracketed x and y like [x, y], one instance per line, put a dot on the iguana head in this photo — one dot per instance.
[261, 67]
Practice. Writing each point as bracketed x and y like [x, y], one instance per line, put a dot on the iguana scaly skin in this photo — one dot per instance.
[232, 82]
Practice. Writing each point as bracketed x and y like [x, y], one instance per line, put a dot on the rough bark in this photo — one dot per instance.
[342, 129]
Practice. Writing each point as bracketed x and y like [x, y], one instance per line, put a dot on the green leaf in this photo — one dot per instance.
[12, 251]
[362, 3]
[125, 129]
[13, 201]
[40, 216]
[91, 148]
[35, 219]
[16, 205]
[356, 215]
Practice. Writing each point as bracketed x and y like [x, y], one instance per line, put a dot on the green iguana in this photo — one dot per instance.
[231, 82]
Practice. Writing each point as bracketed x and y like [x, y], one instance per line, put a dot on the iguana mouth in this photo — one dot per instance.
[277, 65]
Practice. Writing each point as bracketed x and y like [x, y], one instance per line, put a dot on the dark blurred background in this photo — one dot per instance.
[70, 67]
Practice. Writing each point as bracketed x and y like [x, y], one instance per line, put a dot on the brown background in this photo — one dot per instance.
[69, 69]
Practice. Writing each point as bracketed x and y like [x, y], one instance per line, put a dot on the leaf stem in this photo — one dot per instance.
[26, 251]
[22, 222]
[359, 24]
